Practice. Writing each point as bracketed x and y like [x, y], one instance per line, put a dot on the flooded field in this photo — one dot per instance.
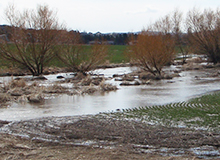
[190, 84]
[68, 119]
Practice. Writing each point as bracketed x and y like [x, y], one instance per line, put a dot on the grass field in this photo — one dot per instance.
[200, 113]
[116, 54]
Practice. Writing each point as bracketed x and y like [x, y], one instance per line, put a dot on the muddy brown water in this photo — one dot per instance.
[190, 84]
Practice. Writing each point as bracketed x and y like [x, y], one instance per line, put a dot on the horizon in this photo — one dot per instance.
[89, 32]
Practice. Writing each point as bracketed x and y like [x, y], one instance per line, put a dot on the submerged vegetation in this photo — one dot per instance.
[199, 113]
[30, 90]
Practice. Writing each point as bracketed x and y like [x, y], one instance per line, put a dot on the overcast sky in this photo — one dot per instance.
[109, 15]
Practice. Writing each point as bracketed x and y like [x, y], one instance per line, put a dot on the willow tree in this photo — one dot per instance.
[34, 35]
[154, 47]
[79, 57]
[152, 51]
[204, 32]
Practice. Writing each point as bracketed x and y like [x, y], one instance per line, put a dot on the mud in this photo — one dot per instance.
[100, 132]
[19, 148]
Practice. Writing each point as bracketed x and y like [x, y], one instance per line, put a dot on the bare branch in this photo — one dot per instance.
[34, 36]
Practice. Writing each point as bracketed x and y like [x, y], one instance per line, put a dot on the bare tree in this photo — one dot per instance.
[204, 32]
[33, 38]
[181, 38]
[81, 58]
[153, 51]
[154, 48]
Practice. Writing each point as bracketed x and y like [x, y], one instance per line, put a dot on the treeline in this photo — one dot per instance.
[32, 40]
[112, 38]
[86, 38]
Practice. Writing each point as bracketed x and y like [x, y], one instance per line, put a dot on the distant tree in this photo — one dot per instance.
[204, 32]
[81, 58]
[181, 38]
[118, 38]
[33, 38]
[121, 39]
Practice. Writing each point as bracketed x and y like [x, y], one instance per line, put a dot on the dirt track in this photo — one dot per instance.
[93, 138]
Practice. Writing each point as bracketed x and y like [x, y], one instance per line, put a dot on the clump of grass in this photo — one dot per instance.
[4, 98]
[89, 90]
[201, 113]
[15, 84]
[105, 87]
[55, 89]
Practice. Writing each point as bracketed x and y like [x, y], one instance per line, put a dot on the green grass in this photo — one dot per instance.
[115, 55]
[200, 113]
[210, 99]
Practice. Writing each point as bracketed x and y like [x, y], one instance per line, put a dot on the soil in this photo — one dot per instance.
[17, 148]
[99, 137]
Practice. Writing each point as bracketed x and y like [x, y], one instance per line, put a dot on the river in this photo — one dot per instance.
[190, 84]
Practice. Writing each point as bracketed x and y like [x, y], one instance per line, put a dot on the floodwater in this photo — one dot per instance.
[189, 85]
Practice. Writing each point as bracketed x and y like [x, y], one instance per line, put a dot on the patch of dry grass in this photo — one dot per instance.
[106, 87]
[4, 98]
[21, 90]
[20, 83]
[55, 89]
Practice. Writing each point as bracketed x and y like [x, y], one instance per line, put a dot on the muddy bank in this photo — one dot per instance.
[101, 132]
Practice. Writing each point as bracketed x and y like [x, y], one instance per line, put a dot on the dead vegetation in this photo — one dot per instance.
[107, 87]
[20, 91]
[55, 89]
[4, 98]
[30, 90]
